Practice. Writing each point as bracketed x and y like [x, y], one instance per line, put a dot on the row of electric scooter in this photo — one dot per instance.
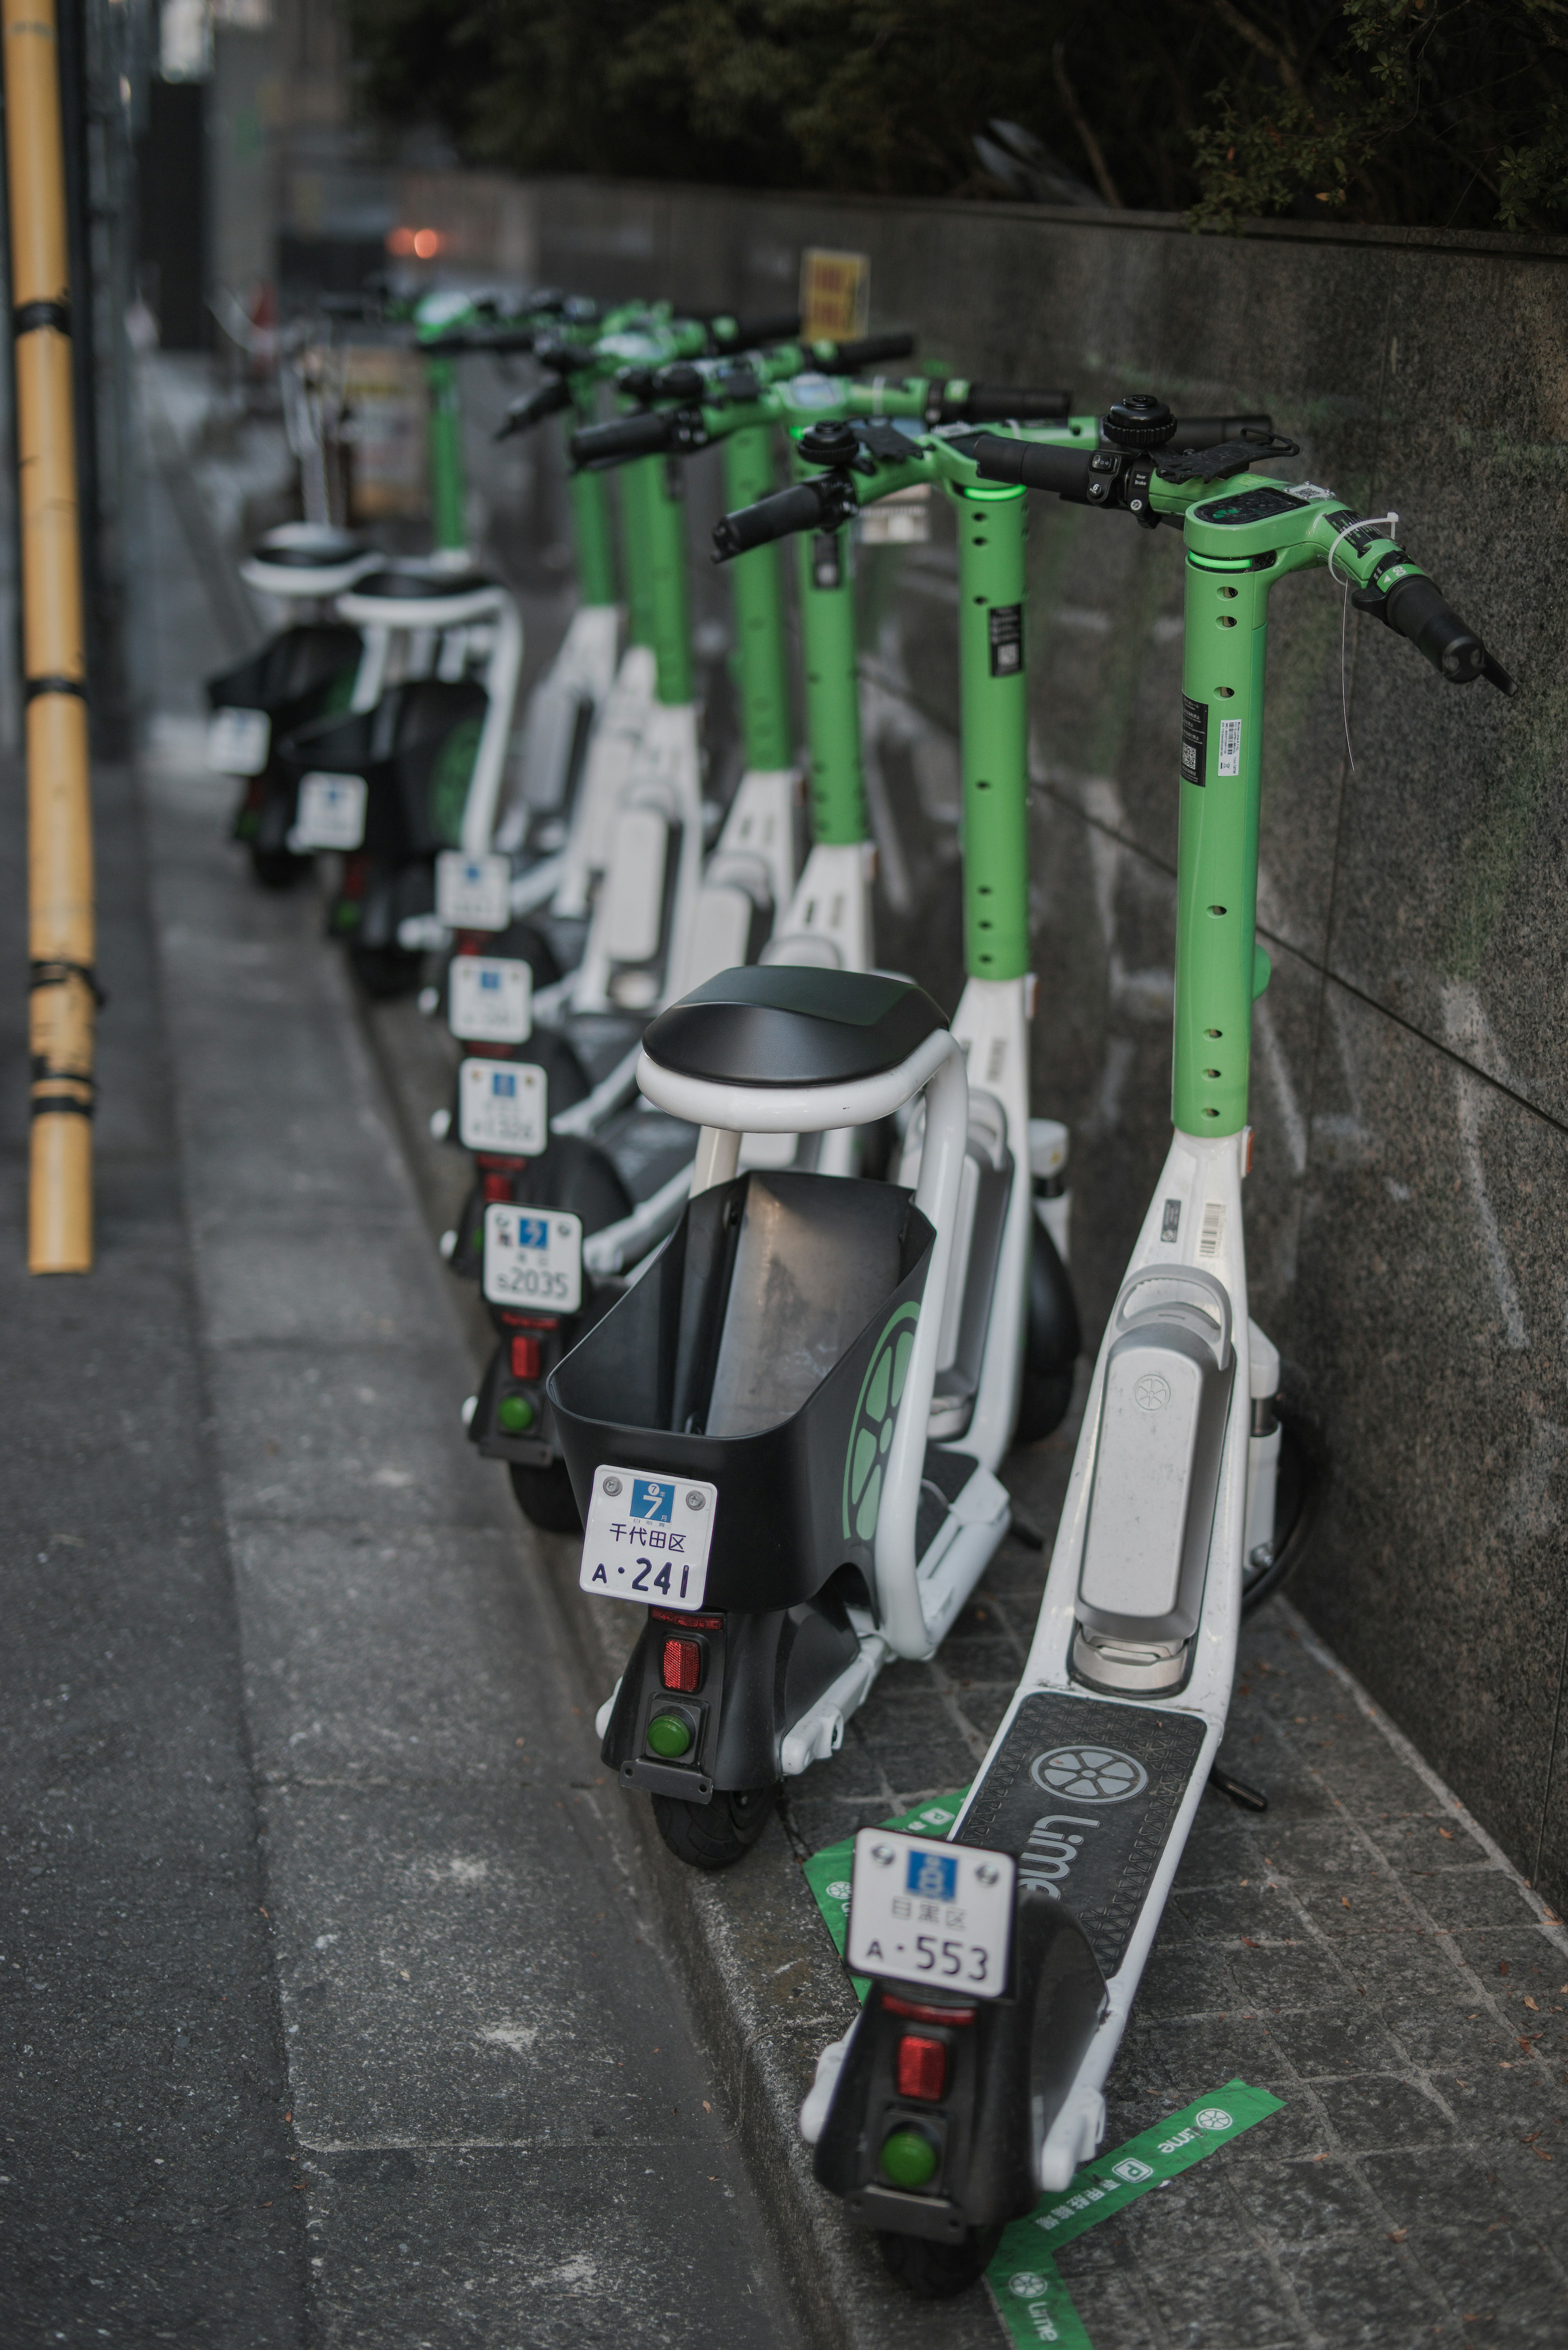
[774, 1250]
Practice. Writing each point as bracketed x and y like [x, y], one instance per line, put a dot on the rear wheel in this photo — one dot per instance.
[545, 1498]
[1303, 1480]
[1051, 1343]
[715, 1835]
[937, 2271]
[385, 971]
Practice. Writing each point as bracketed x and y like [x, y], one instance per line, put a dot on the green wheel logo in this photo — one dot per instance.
[451, 771]
[875, 1415]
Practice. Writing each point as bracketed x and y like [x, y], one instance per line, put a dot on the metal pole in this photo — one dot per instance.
[61, 942]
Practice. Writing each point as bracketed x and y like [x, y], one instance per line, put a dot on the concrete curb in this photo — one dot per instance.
[749, 1944]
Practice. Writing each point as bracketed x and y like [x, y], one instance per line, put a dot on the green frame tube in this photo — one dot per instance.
[830, 662]
[448, 528]
[994, 732]
[756, 591]
[593, 539]
[669, 581]
[635, 553]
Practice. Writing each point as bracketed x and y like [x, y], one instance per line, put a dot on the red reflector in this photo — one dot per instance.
[923, 2067]
[524, 1358]
[495, 1186]
[924, 2011]
[682, 1665]
[697, 1623]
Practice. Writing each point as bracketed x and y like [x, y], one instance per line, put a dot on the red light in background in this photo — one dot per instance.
[423, 243]
[923, 2067]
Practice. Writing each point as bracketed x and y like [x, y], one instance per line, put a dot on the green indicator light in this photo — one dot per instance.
[515, 1414]
[668, 1735]
[908, 2159]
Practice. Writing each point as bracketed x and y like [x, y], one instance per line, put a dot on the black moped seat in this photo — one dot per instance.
[330, 550]
[788, 1025]
[396, 586]
[295, 675]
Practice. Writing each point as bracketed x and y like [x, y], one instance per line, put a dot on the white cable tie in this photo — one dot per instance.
[1372, 521]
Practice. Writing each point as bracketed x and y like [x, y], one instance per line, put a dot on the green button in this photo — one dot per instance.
[515, 1414]
[908, 2159]
[670, 1735]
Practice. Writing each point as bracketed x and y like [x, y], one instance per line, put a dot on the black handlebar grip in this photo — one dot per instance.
[993, 403]
[1415, 607]
[1065, 470]
[779, 516]
[623, 438]
[750, 334]
[1213, 431]
[548, 401]
[863, 351]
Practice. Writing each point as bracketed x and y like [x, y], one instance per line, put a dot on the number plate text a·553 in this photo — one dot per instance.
[648, 1538]
[926, 1912]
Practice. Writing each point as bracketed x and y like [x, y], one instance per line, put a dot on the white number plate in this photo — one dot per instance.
[501, 1105]
[648, 1538]
[473, 893]
[533, 1260]
[331, 812]
[490, 999]
[238, 741]
[928, 1912]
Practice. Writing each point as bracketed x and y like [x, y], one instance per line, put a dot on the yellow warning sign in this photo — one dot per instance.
[834, 294]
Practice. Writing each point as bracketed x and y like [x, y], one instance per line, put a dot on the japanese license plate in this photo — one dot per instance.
[238, 741]
[473, 893]
[331, 812]
[648, 1538]
[490, 999]
[930, 1912]
[533, 1260]
[501, 1105]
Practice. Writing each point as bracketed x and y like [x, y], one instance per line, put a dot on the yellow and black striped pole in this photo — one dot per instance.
[63, 990]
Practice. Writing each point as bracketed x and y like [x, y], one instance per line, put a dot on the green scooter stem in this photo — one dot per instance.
[664, 512]
[757, 595]
[830, 657]
[593, 542]
[448, 499]
[636, 555]
[993, 729]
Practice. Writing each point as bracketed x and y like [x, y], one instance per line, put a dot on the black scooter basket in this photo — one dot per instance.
[763, 1350]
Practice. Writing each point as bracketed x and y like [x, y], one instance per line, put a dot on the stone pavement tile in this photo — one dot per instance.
[580, 2246]
[1116, 2307]
[1382, 2109]
[1301, 2201]
[1289, 1973]
[1353, 2292]
[1187, 1979]
[1195, 2216]
[1316, 1850]
[1501, 2287]
[1232, 2304]
[1430, 2186]
[1418, 1841]
[1335, 2041]
[422, 1998]
[350, 1434]
[1300, 2131]
[1461, 1898]
[1360, 1906]
[376, 1649]
[347, 1280]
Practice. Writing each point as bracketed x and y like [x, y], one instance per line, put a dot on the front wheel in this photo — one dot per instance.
[715, 1835]
[1051, 1343]
[937, 2272]
[545, 1497]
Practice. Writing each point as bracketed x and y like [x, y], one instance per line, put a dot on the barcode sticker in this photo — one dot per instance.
[1211, 1234]
[1229, 746]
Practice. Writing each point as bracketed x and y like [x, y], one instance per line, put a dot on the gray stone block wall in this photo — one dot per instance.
[1410, 1081]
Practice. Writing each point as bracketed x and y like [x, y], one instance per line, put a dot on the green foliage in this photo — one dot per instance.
[1440, 112]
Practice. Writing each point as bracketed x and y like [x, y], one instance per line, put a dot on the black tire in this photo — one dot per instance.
[715, 1835]
[1051, 1345]
[937, 2272]
[1304, 1482]
[277, 869]
[386, 972]
[545, 1497]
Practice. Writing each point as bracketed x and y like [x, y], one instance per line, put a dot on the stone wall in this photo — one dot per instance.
[1410, 1089]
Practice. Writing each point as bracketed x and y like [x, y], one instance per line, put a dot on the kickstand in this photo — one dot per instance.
[1250, 1799]
[1022, 1532]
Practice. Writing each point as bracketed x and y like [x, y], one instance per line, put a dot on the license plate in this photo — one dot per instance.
[648, 1538]
[928, 1912]
[490, 999]
[238, 741]
[331, 812]
[473, 893]
[533, 1260]
[501, 1105]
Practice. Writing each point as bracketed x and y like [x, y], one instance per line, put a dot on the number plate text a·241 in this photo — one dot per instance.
[648, 1538]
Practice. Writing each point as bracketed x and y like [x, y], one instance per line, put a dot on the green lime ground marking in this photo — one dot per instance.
[1031, 2299]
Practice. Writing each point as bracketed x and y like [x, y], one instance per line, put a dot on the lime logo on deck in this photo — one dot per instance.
[875, 1416]
[1212, 2117]
[653, 1499]
[1152, 1393]
[1089, 1774]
